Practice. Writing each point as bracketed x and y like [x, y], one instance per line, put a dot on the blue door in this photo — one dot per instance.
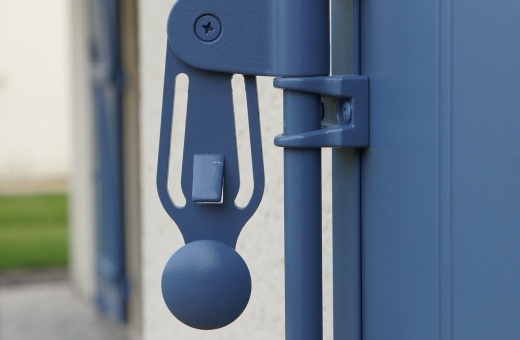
[107, 87]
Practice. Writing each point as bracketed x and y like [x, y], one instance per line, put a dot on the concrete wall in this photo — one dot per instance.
[35, 90]
[261, 242]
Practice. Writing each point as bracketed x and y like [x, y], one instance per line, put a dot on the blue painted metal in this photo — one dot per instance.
[112, 291]
[277, 38]
[210, 130]
[350, 130]
[208, 177]
[346, 186]
[302, 203]
[441, 183]
[432, 266]
[208, 41]
[223, 284]
[346, 243]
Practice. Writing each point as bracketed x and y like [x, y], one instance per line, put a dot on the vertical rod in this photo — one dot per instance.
[346, 244]
[346, 185]
[303, 254]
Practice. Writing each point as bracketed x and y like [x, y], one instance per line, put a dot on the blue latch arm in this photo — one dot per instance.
[210, 130]
[209, 174]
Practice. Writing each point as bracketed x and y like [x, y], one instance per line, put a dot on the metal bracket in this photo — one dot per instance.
[352, 127]
[268, 37]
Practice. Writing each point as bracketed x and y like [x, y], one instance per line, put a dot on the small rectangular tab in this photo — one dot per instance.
[208, 177]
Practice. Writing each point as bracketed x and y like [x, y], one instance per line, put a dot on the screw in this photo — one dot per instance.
[208, 28]
[347, 111]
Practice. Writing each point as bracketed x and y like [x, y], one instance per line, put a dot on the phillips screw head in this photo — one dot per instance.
[208, 28]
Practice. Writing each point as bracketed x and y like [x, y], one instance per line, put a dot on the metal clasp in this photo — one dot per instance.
[352, 126]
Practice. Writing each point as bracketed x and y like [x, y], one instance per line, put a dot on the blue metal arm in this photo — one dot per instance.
[206, 284]
[210, 129]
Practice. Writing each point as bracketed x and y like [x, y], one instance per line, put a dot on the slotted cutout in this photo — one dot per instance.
[180, 107]
[245, 166]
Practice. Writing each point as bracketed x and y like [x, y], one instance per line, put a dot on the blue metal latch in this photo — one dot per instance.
[206, 284]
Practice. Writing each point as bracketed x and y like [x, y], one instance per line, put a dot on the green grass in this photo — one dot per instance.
[33, 231]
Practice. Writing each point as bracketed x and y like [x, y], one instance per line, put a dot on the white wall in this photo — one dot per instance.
[261, 242]
[45, 114]
[82, 204]
[34, 89]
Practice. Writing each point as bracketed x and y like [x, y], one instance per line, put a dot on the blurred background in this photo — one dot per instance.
[47, 134]
[35, 133]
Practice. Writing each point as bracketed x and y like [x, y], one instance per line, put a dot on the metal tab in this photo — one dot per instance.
[208, 178]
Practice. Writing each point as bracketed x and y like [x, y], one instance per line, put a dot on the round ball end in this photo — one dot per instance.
[206, 284]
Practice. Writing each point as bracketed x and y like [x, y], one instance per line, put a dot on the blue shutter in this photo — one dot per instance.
[107, 87]
[441, 179]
